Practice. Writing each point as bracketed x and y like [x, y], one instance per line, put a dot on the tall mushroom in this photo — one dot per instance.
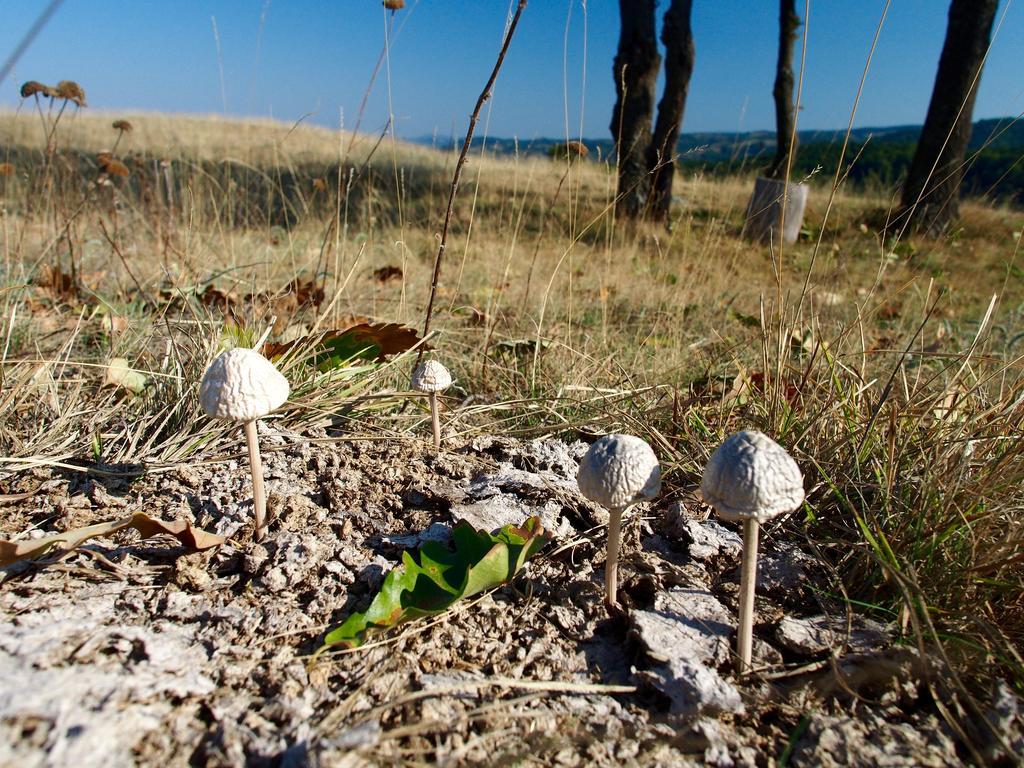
[617, 471]
[751, 478]
[432, 377]
[242, 385]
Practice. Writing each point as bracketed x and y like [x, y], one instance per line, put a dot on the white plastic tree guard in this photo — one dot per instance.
[764, 212]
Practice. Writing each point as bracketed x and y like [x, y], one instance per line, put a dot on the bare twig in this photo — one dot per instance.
[31, 35]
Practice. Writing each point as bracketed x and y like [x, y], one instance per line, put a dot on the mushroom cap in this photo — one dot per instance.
[431, 376]
[619, 470]
[751, 476]
[242, 385]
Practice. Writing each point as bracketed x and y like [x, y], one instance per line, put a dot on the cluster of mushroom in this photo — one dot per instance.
[750, 479]
[242, 386]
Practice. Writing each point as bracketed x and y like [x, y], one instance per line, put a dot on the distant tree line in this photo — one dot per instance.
[996, 172]
[875, 157]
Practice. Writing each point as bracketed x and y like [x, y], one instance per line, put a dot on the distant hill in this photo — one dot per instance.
[882, 154]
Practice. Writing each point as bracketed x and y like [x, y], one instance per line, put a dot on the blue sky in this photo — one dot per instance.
[290, 58]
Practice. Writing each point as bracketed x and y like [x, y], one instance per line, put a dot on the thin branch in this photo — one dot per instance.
[31, 35]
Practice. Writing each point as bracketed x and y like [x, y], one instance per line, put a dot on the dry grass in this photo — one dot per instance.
[895, 377]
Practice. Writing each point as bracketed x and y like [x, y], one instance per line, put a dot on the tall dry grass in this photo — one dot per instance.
[895, 377]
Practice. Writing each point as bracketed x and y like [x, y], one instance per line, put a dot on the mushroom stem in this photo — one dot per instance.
[611, 565]
[435, 421]
[748, 583]
[259, 494]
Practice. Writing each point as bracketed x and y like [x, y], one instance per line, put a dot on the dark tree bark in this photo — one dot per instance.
[931, 193]
[785, 111]
[677, 35]
[636, 73]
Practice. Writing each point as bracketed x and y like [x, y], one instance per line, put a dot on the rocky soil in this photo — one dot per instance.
[140, 652]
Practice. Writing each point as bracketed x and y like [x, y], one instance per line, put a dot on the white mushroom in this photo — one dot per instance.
[617, 471]
[432, 377]
[242, 385]
[751, 478]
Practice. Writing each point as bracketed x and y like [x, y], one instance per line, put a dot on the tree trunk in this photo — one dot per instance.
[785, 111]
[677, 35]
[931, 193]
[775, 212]
[636, 73]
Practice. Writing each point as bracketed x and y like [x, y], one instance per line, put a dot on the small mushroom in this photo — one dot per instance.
[432, 377]
[751, 478]
[242, 385]
[617, 471]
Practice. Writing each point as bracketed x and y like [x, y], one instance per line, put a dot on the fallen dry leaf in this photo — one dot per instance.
[13, 551]
[121, 374]
[387, 274]
[114, 324]
[891, 310]
[217, 299]
[366, 341]
[56, 282]
[306, 292]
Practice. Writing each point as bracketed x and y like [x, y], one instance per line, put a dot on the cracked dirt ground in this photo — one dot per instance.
[139, 652]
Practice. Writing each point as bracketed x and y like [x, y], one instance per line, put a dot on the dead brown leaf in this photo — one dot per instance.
[215, 298]
[891, 310]
[387, 274]
[306, 292]
[182, 530]
[390, 338]
[373, 341]
[296, 296]
[114, 324]
[57, 282]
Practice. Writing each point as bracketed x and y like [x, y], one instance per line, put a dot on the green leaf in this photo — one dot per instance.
[479, 561]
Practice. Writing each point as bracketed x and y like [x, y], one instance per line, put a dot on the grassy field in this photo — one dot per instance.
[890, 368]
